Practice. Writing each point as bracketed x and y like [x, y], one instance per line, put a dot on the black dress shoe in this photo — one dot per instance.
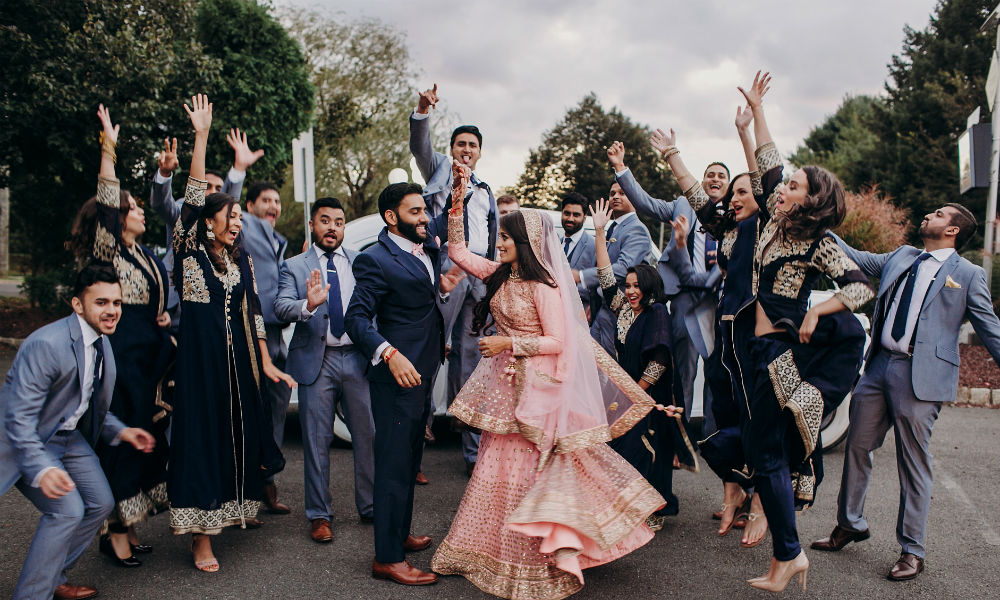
[141, 549]
[106, 548]
[838, 539]
[367, 518]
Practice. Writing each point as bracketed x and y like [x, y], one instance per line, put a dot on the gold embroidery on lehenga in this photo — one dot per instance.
[210, 522]
[788, 282]
[802, 398]
[105, 244]
[135, 286]
[194, 288]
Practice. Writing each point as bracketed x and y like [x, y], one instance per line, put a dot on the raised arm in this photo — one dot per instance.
[661, 210]
[613, 296]
[979, 310]
[871, 264]
[194, 195]
[420, 135]
[243, 159]
[458, 252]
[107, 236]
[161, 196]
[766, 156]
[680, 260]
[754, 97]
[666, 145]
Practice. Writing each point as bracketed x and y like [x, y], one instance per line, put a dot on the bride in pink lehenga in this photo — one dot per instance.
[548, 497]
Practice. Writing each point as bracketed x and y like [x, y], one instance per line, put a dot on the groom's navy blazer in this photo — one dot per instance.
[393, 287]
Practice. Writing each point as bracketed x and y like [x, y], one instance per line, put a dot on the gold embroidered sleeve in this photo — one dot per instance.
[832, 261]
[185, 229]
[259, 324]
[525, 345]
[756, 187]
[108, 225]
[612, 295]
[653, 372]
[606, 277]
[696, 196]
[194, 193]
[767, 157]
[456, 229]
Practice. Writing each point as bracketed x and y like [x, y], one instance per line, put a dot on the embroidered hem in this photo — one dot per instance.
[211, 522]
[503, 579]
[138, 508]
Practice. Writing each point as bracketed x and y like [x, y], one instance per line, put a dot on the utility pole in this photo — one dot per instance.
[4, 232]
[992, 23]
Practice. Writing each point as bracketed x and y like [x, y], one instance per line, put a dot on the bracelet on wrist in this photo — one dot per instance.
[669, 151]
[389, 353]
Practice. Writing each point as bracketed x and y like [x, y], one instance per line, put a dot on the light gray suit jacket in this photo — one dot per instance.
[957, 292]
[258, 240]
[161, 199]
[583, 256]
[305, 351]
[41, 391]
[697, 314]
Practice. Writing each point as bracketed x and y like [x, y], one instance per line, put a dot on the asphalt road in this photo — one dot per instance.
[685, 560]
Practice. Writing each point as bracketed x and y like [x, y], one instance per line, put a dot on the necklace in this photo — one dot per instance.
[514, 273]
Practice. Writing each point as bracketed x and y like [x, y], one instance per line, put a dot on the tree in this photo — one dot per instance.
[142, 58]
[934, 84]
[873, 222]
[363, 77]
[265, 88]
[573, 157]
[847, 143]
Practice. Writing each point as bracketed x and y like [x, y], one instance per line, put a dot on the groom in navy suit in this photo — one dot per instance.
[54, 405]
[396, 284]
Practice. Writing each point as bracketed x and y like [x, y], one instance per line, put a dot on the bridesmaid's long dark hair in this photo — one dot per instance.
[529, 269]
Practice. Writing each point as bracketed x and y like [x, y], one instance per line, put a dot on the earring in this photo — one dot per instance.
[210, 235]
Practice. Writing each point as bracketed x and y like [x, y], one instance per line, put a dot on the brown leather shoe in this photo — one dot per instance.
[254, 523]
[73, 592]
[838, 539]
[416, 543]
[402, 572]
[907, 567]
[271, 501]
[320, 531]
[421, 479]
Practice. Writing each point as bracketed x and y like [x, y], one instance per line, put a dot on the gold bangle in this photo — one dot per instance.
[669, 151]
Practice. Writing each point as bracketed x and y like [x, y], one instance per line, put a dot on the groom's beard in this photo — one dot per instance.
[409, 231]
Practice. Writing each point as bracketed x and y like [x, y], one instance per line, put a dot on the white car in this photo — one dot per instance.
[362, 232]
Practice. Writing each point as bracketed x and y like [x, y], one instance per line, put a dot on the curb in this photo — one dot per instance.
[981, 397]
[12, 342]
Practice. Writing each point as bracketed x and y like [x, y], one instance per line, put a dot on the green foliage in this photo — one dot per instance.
[50, 290]
[573, 157]
[874, 223]
[846, 143]
[264, 87]
[142, 58]
[363, 77]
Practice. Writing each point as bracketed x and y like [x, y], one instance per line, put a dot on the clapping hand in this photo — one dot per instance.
[680, 227]
[616, 156]
[660, 141]
[461, 175]
[601, 213]
[451, 279]
[428, 99]
[167, 160]
[761, 83]
[317, 290]
[201, 114]
[244, 157]
[110, 131]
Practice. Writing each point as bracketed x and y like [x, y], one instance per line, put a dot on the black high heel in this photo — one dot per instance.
[141, 548]
[106, 548]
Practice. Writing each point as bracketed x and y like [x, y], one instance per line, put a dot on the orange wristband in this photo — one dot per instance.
[392, 352]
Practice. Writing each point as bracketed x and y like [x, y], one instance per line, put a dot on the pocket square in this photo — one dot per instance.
[949, 282]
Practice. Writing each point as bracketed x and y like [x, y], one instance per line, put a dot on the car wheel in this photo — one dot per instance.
[833, 429]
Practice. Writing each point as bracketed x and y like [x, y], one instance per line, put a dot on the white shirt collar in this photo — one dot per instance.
[576, 236]
[403, 243]
[90, 335]
[321, 253]
[941, 254]
[624, 218]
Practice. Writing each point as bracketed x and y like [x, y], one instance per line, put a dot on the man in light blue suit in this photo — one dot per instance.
[628, 246]
[692, 308]
[314, 289]
[267, 249]
[161, 199]
[54, 404]
[911, 369]
[579, 245]
[481, 227]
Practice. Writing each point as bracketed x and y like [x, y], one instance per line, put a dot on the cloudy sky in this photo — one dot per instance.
[513, 67]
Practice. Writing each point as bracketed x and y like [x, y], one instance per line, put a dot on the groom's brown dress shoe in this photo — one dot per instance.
[839, 538]
[319, 531]
[907, 567]
[402, 572]
[73, 592]
[415, 543]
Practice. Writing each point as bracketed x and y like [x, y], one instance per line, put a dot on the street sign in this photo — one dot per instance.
[303, 169]
[992, 81]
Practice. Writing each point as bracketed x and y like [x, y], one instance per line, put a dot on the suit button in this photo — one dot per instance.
[62, 420]
[326, 316]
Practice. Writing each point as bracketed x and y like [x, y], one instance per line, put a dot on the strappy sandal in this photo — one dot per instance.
[751, 517]
[742, 507]
[207, 566]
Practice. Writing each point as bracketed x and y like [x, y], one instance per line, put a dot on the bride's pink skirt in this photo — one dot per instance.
[522, 533]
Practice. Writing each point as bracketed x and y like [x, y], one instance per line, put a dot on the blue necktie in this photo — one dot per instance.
[899, 323]
[710, 247]
[333, 304]
[566, 246]
[611, 230]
